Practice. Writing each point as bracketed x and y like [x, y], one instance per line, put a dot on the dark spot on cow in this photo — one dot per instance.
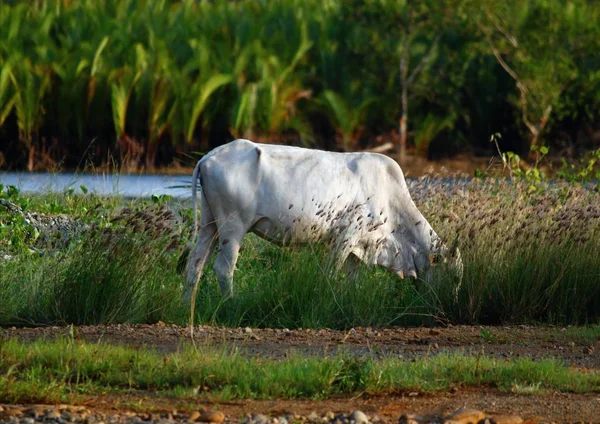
[258, 152]
[393, 231]
[431, 232]
[224, 242]
[418, 223]
[291, 206]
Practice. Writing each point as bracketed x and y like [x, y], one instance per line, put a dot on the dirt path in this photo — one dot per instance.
[575, 348]
[572, 347]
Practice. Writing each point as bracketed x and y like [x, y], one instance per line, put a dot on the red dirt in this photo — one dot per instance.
[507, 341]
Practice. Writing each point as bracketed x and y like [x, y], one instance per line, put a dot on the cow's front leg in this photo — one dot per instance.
[352, 266]
[225, 263]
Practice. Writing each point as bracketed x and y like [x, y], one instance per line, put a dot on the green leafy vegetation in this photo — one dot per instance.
[144, 83]
[529, 256]
[69, 369]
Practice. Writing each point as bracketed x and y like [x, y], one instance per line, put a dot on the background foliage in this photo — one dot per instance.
[144, 82]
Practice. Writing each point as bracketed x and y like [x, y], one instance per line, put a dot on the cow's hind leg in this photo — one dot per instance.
[224, 266]
[199, 255]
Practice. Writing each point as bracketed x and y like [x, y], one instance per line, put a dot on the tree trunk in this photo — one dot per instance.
[30, 158]
[151, 155]
[403, 125]
[401, 147]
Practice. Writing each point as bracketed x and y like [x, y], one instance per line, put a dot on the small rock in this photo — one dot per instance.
[67, 416]
[53, 415]
[212, 417]
[465, 416]
[506, 419]
[90, 419]
[15, 411]
[359, 417]
[412, 419]
[258, 419]
[194, 416]
[282, 420]
[247, 330]
[434, 332]
[313, 417]
[28, 421]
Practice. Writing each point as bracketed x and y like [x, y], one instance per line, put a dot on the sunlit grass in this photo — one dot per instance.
[68, 369]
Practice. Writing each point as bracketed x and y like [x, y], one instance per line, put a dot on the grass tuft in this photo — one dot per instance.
[51, 371]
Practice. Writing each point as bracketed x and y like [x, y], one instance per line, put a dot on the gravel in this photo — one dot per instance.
[31, 414]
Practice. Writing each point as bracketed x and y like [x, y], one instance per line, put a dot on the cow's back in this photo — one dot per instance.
[286, 188]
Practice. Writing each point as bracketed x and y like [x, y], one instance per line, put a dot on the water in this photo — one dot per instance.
[143, 186]
[140, 186]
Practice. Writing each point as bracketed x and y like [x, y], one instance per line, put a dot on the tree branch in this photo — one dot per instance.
[522, 89]
[424, 60]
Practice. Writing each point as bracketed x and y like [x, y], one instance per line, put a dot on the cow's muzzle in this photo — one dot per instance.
[412, 274]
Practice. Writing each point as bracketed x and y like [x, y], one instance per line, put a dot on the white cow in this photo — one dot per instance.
[357, 201]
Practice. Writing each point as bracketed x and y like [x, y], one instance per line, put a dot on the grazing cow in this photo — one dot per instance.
[357, 201]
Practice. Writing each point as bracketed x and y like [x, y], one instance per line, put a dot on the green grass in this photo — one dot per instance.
[529, 257]
[578, 335]
[54, 371]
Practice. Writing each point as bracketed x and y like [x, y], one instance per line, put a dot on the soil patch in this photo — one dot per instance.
[533, 342]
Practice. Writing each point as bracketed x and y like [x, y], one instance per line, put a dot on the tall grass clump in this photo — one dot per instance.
[530, 254]
[119, 268]
[298, 287]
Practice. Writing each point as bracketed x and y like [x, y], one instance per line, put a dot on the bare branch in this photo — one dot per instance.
[501, 61]
[404, 60]
[522, 89]
[424, 60]
[511, 39]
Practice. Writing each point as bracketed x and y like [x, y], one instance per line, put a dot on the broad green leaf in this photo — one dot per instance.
[97, 57]
[206, 91]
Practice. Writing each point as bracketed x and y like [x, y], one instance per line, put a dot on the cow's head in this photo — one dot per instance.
[414, 250]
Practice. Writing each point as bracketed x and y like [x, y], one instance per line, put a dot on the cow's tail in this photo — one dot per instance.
[195, 178]
[181, 261]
